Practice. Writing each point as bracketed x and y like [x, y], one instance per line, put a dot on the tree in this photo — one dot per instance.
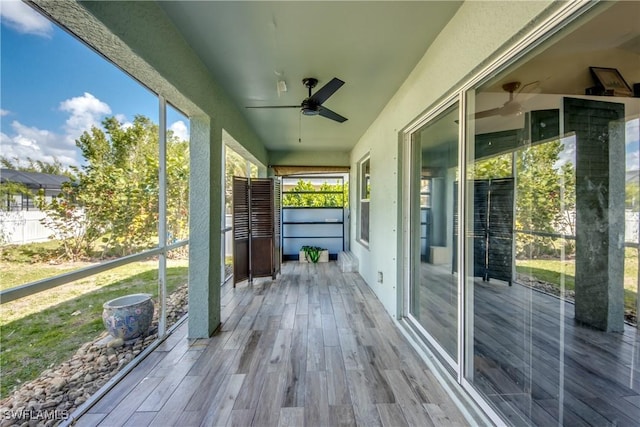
[545, 196]
[7, 192]
[114, 195]
[545, 193]
[328, 195]
[69, 224]
[177, 188]
[235, 165]
[30, 165]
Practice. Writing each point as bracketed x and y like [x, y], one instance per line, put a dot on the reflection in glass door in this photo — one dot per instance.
[433, 290]
[555, 342]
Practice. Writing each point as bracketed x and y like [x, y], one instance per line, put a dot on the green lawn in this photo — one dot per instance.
[552, 270]
[42, 330]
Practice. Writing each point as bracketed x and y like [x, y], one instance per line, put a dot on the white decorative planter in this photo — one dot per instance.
[324, 256]
[128, 317]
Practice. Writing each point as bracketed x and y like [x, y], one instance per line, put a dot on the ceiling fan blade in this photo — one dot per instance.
[275, 106]
[325, 112]
[326, 91]
[510, 108]
[488, 113]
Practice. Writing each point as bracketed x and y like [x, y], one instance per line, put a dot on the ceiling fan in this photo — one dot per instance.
[312, 105]
[511, 107]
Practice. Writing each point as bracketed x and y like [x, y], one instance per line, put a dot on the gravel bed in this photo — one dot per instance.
[52, 397]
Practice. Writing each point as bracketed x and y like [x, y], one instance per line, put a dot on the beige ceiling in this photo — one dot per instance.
[248, 46]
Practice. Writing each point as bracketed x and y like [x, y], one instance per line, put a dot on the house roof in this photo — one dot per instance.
[33, 180]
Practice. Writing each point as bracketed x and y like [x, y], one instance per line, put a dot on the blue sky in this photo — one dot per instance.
[53, 87]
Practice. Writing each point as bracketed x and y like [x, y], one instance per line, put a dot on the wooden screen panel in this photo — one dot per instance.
[262, 221]
[277, 228]
[480, 227]
[241, 232]
[500, 231]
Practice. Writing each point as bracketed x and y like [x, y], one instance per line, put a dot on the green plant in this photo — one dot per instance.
[312, 253]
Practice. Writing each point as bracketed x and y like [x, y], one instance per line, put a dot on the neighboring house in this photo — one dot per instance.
[19, 215]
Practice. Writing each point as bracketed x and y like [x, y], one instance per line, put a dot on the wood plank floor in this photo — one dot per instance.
[314, 347]
[532, 360]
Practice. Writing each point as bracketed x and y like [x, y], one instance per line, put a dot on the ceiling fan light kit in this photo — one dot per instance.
[312, 105]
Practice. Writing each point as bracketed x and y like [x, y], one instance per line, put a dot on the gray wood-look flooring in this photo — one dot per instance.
[532, 360]
[315, 347]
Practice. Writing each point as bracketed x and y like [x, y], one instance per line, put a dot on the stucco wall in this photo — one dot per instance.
[472, 37]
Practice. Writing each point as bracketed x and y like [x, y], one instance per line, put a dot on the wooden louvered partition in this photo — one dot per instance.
[256, 225]
[493, 221]
[500, 230]
[240, 229]
[277, 227]
[261, 197]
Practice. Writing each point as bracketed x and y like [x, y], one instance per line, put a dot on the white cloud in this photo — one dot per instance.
[180, 130]
[40, 144]
[122, 119]
[4, 112]
[37, 144]
[22, 18]
[86, 111]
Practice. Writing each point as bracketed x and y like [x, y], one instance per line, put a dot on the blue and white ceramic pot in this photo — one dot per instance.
[128, 317]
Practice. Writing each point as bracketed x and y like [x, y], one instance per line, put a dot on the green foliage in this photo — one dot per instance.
[328, 195]
[8, 190]
[177, 190]
[27, 253]
[113, 197]
[235, 165]
[69, 224]
[632, 196]
[312, 253]
[545, 195]
[493, 168]
[30, 165]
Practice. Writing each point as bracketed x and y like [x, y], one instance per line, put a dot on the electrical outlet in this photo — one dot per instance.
[379, 276]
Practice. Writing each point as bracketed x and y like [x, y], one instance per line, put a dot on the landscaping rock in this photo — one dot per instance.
[116, 342]
[65, 387]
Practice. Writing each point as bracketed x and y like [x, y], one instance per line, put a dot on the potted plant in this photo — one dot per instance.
[313, 254]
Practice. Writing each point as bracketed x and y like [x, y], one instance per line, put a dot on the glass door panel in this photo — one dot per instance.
[551, 249]
[433, 285]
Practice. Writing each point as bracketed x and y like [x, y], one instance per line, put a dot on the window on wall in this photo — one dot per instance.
[551, 276]
[364, 169]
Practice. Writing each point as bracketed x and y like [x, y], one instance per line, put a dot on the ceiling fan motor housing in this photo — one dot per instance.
[309, 108]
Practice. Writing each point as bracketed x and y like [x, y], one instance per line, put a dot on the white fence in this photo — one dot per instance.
[631, 226]
[17, 227]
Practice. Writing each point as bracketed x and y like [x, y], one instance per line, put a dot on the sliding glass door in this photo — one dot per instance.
[433, 289]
